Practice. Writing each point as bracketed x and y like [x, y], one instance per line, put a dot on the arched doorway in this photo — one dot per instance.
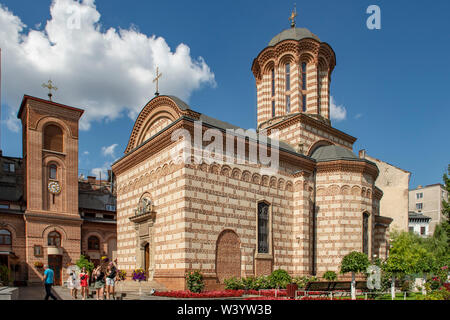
[228, 256]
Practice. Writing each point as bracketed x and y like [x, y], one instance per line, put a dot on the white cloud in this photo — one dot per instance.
[359, 115]
[109, 151]
[100, 173]
[337, 112]
[108, 73]
[86, 153]
[11, 121]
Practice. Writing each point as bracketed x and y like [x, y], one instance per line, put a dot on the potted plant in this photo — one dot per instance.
[38, 265]
[139, 275]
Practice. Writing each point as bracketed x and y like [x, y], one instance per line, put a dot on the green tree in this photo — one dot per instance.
[83, 262]
[280, 279]
[446, 203]
[354, 262]
[407, 256]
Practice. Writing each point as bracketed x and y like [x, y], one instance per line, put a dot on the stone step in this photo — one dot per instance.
[134, 286]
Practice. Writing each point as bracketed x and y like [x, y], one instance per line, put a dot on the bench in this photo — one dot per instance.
[330, 288]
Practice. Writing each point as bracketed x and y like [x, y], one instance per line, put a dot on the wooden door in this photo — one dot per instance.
[147, 259]
[55, 263]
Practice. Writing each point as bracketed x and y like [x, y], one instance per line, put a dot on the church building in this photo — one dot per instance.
[233, 219]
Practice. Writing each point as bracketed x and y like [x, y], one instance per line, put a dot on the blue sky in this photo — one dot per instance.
[394, 83]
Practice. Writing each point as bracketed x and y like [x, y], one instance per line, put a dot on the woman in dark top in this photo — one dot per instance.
[99, 276]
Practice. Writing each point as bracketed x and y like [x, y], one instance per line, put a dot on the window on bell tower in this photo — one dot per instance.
[288, 77]
[304, 80]
[52, 172]
[273, 108]
[53, 138]
[273, 82]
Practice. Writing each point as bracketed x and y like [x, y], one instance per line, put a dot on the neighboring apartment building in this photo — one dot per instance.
[427, 201]
[394, 182]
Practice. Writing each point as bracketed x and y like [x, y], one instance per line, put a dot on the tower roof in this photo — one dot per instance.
[333, 152]
[293, 34]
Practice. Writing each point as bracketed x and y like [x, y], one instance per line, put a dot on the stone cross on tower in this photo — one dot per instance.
[50, 87]
[293, 16]
[156, 80]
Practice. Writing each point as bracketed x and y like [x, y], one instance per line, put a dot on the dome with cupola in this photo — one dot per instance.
[293, 34]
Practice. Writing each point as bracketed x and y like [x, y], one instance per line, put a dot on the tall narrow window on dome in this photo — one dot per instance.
[365, 233]
[288, 77]
[288, 104]
[304, 102]
[273, 108]
[304, 80]
[319, 91]
[263, 227]
[273, 82]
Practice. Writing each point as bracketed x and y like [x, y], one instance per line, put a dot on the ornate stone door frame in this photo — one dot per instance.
[144, 235]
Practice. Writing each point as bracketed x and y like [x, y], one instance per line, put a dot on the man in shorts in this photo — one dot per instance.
[111, 281]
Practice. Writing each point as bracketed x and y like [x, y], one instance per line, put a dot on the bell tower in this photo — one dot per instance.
[50, 153]
[293, 76]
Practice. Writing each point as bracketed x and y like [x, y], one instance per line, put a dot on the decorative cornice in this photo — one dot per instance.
[306, 119]
[357, 165]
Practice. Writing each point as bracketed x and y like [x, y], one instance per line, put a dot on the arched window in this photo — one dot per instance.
[52, 172]
[5, 237]
[54, 239]
[263, 227]
[93, 243]
[273, 108]
[319, 89]
[273, 82]
[288, 77]
[304, 80]
[53, 138]
[365, 233]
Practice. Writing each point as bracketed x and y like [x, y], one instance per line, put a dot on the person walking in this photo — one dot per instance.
[111, 275]
[73, 284]
[99, 276]
[84, 283]
[49, 276]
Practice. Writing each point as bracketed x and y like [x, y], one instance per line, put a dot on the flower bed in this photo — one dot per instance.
[208, 294]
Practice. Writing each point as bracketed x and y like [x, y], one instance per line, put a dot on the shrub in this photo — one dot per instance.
[194, 281]
[262, 282]
[330, 276]
[441, 294]
[303, 281]
[4, 275]
[233, 284]
[280, 279]
[435, 283]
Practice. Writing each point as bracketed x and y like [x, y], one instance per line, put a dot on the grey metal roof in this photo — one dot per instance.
[330, 153]
[293, 34]
[95, 200]
[180, 103]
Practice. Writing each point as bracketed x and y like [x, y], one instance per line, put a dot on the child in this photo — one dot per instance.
[84, 282]
[73, 285]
